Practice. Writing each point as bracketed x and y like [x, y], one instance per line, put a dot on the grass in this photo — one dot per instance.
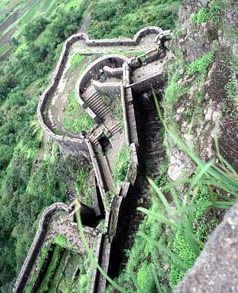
[76, 61]
[121, 165]
[231, 88]
[171, 238]
[43, 257]
[93, 260]
[111, 19]
[77, 125]
[177, 88]
[117, 112]
[174, 90]
[212, 13]
[30, 13]
[63, 242]
[4, 49]
[50, 270]
[82, 121]
[83, 189]
[200, 65]
[126, 53]
[58, 275]
[37, 8]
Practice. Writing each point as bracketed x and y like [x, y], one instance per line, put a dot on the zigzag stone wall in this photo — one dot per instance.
[81, 147]
[77, 146]
[36, 245]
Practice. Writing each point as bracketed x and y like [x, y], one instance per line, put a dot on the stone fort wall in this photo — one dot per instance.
[37, 245]
[77, 146]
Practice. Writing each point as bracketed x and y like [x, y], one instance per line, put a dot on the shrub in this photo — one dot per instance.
[145, 279]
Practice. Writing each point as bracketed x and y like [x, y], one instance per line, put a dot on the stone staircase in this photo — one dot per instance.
[113, 128]
[116, 127]
[95, 103]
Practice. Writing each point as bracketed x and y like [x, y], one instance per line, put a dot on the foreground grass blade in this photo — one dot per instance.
[94, 261]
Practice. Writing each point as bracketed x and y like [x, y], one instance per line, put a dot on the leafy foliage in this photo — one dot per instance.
[200, 65]
[80, 120]
[124, 18]
[23, 196]
[207, 14]
[35, 28]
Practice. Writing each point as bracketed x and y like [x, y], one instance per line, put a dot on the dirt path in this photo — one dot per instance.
[85, 23]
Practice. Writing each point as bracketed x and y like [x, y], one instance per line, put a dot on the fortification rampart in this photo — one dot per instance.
[36, 245]
[93, 68]
[107, 88]
[83, 147]
[77, 146]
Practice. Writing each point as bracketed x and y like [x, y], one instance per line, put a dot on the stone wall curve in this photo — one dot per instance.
[36, 245]
[77, 145]
[86, 76]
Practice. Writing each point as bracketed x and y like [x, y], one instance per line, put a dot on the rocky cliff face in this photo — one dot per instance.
[207, 51]
[207, 77]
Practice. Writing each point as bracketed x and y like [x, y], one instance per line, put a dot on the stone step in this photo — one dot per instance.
[115, 128]
[98, 108]
[94, 103]
[94, 94]
[102, 113]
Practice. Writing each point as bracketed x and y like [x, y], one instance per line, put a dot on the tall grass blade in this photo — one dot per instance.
[175, 259]
[94, 261]
[160, 194]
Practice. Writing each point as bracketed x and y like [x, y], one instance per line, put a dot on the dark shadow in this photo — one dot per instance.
[104, 143]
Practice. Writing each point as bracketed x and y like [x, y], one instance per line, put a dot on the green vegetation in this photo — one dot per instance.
[121, 165]
[145, 278]
[45, 284]
[81, 119]
[170, 239]
[77, 125]
[23, 196]
[127, 53]
[200, 65]
[43, 257]
[231, 88]
[76, 61]
[58, 275]
[83, 189]
[207, 14]
[4, 49]
[62, 241]
[174, 90]
[115, 106]
[117, 111]
[124, 18]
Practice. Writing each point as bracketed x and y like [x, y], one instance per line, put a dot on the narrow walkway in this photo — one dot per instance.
[106, 172]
